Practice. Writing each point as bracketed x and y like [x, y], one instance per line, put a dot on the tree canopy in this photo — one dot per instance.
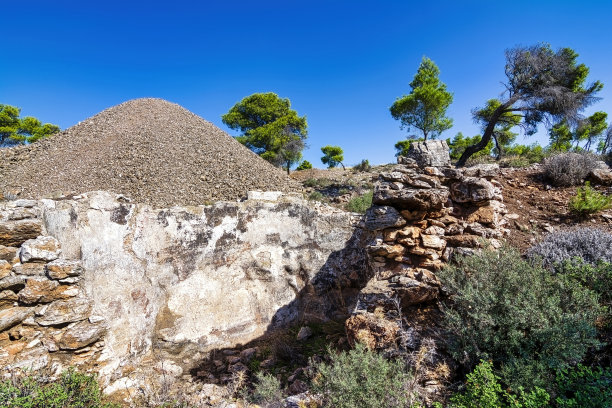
[543, 86]
[15, 130]
[424, 108]
[333, 156]
[269, 128]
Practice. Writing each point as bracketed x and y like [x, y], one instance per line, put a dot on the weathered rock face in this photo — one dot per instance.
[432, 153]
[112, 284]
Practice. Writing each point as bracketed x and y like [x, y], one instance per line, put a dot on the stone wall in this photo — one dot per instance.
[123, 289]
[424, 212]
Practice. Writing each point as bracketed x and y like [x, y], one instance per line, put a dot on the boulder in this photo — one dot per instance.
[601, 176]
[473, 190]
[381, 217]
[80, 335]
[43, 248]
[432, 241]
[430, 153]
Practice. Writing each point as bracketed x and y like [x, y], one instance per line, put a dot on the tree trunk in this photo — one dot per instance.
[343, 168]
[486, 137]
[498, 146]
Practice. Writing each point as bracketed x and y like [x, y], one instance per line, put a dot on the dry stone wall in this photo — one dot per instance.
[130, 291]
[424, 212]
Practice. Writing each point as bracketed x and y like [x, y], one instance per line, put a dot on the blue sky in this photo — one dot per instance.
[341, 63]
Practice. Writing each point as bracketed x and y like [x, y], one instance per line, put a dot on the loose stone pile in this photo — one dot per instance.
[150, 150]
[45, 318]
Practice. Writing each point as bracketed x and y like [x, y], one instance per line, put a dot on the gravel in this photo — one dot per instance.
[150, 150]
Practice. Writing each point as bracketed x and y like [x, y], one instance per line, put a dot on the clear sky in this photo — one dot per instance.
[341, 63]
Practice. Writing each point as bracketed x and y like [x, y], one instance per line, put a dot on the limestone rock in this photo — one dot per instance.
[29, 269]
[473, 190]
[465, 241]
[13, 316]
[381, 217]
[432, 199]
[601, 176]
[13, 234]
[80, 335]
[407, 161]
[430, 153]
[65, 311]
[14, 283]
[485, 170]
[62, 269]
[433, 241]
[32, 359]
[8, 253]
[43, 248]
[5, 269]
[373, 331]
[43, 290]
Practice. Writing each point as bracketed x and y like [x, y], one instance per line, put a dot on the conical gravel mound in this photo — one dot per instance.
[150, 150]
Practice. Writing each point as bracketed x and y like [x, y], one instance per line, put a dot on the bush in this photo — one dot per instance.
[361, 378]
[363, 166]
[569, 169]
[305, 165]
[589, 244]
[528, 321]
[483, 390]
[320, 183]
[360, 204]
[588, 201]
[267, 389]
[584, 387]
[71, 390]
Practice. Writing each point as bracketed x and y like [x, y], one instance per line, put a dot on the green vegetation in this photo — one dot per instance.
[267, 389]
[588, 201]
[584, 387]
[361, 378]
[561, 93]
[402, 147]
[424, 108]
[15, 130]
[459, 143]
[360, 204]
[363, 166]
[333, 156]
[483, 390]
[304, 165]
[269, 127]
[528, 322]
[71, 390]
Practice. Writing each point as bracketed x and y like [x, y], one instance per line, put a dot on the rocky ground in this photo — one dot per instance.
[150, 150]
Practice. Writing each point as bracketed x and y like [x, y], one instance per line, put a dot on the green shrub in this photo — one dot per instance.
[267, 389]
[589, 201]
[305, 165]
[360, 204]
[363, 166]
[361, 378]
[71, 390]
[319, 183]
[483, 390]
[584, 387]
[529, 322]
